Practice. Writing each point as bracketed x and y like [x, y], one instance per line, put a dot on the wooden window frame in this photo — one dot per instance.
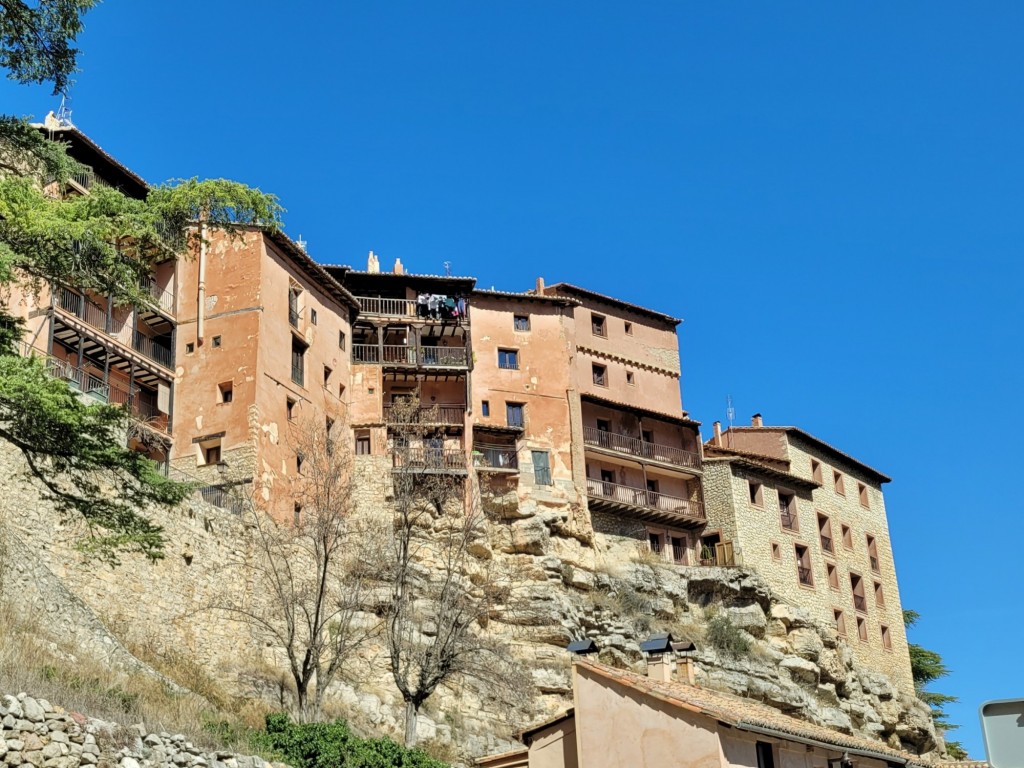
[816, 471]
[831, 569]
[879, 593]
[838, 483]
[599, 325]
[756, 499]
[886, 637]
[793, 512]
[863, 496]
[516, 323]
[839, 618]
[862, 623]
[599, 373]
[847, 533]
[810, 565]
[627, 327]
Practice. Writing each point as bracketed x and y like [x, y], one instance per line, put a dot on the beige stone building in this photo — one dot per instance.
[811, 520]
[621, 718]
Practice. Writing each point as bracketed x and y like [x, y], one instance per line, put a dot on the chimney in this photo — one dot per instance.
[399, 269]
[372, 263]
[540, 286]
[717, 440]
[756, 421]
[684, 671]
[659, 667]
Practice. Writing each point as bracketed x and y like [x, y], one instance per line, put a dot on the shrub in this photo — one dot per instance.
[726, 637]
[333, 745]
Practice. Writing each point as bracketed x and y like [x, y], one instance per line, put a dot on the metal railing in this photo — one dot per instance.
[860, 603]
[162, 297]
[443, 413]
[85, 179]
[293, 316]
[826, 543]
[152, 349]
[298, 373]
[443, 356]
[488, 456]
[641, 448]
[641, 497]
[788, 519]
[78, 305]
[805, 576]
[427, 457]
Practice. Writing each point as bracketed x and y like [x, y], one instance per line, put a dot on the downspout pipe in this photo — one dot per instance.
[201, 293]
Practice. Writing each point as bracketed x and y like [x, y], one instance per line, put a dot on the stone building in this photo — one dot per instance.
[811, 520]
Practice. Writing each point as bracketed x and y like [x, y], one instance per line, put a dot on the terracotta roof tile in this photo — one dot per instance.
[570, 288]
[740, 713]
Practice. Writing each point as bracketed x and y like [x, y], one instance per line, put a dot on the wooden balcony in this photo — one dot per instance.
[400, 309]
[426, 458]
[403, 356]
[490, 457]
[641, 449]
[442, 414]
[647, 505]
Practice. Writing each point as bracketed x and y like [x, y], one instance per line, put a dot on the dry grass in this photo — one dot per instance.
[33, 663]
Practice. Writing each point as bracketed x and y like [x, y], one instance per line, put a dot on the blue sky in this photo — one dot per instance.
[829, 193]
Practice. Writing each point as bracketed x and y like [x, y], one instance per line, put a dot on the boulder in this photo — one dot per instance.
[801, 669]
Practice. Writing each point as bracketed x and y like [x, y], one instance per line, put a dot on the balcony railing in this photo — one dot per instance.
[860, 603]
[632, 446]
[404, 355]
[81, 307]
[788, 519]
[805, 576]
[826, 543]
[487, 456]
[425, 457]
[78, 305]
[644, 499]
[453, 414]
[293, 317]
[369, 305]
[162, 297]
[298, 373]
[153, 349]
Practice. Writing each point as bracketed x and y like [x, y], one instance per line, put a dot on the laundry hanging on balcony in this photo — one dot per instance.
[438, 306]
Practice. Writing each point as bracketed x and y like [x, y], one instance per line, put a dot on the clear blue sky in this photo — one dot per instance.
[829, 193]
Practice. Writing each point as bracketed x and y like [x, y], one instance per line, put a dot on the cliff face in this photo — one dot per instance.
[578, 583]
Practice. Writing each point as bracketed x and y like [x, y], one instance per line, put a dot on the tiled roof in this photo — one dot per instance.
[881, 477]
[71, 132]
[678, 418]
[570, 288]
[763, 469]
[525, 734]
[746, 714]
[563, 300]
[455, 278]
[311, 268]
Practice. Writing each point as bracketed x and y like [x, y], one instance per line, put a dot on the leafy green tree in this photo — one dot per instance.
[926, 667]
[37, 39]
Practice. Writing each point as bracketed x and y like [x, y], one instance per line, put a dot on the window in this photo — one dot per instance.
[840, 621]
[787, 511]
[514, 416]
[600, 374]
[216, 342]
[521, 322]
[857, 586]
[755, 494]
[629, 378]
[341, 339]
[190, 347]
[598, 325]
[293, 305]
[603, 425]
[224, 392]
[289, 405]
[803, 565]
[298, 514]
[327, 375]
[508, 358]
[847, 537]
[654, 542]
[776, 551]
[298, 362]
[837, 481]
[328, 426]
[873, 553]
[485, 408]
[879, 595]
[298, 463]
[886, 638]
[833, 575]
[541, 468]
[341, 390]
[647, 435]
[312, 317]
[678, 548]
[363, 443]
[628, 326]
[862, 630]
[211, 454]
[862, 495]
[816, 471]
[765, 755]
[825, 533]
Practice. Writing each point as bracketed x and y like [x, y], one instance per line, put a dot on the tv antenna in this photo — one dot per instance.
[447, 268]
[730, 411]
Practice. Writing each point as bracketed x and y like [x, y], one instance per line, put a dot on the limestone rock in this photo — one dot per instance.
[806, 643]
[801, 669]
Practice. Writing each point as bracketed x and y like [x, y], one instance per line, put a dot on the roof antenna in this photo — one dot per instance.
[448, 269]
[301, 243]
[730, 413]
[64, 114]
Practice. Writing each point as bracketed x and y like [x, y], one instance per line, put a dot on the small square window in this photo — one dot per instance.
[816, 471]
[776, 551]
[312, 317]
[600, 373]
[290, 408]
[862, 495]
[363, 443]
[485, 408]
[837, 481]
[211, 454]
[190, 347]
[886, 638]
[630, 379]
[598, 325]
[225, 391]
[216, 342]
[521, 322]
[629, 328]
[756, 497]
[341, 339]
[508, 359]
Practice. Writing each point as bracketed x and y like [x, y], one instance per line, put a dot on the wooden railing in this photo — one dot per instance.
[488, 456]
[641, 448]
[369, 305]
[443, 413]
[401, 354]
[426, 457]
[641, 497]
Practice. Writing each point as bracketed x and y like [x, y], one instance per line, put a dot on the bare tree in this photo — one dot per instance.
[444, 586]
[307, 573]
